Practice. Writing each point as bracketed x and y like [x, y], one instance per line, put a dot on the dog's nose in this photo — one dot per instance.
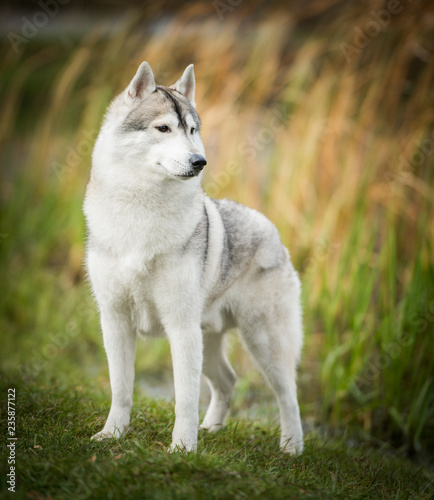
[197, 162]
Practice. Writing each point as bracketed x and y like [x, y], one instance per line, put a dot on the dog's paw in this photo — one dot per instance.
[182, 448]
[107, 434]
[292, 447]
[211, 427]
[101, 435]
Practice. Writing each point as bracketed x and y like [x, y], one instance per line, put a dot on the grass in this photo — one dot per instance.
[56, 459]
[337, 153]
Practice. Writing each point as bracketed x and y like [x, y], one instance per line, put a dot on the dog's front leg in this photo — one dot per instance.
[120, 346]
[186, 348]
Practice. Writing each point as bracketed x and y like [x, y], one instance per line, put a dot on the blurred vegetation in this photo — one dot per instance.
[332, 141]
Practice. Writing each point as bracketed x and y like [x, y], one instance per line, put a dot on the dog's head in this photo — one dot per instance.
[154, 129]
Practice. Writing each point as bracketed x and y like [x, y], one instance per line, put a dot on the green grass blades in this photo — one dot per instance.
[56, 459]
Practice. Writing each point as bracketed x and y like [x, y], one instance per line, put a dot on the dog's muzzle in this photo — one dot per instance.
[197, 163]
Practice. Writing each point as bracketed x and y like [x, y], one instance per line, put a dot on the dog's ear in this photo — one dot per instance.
[187, 84]
[141, 85]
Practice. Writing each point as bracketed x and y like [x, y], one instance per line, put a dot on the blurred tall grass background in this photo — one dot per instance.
[333, 142]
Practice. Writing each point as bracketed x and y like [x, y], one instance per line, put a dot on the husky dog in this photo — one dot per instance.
[164, 259]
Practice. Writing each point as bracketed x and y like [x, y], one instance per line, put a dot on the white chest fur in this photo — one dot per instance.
[124, 285]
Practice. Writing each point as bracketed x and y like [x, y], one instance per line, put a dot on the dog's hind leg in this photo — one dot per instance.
[277, 363]
[273, 335]
[221, 379]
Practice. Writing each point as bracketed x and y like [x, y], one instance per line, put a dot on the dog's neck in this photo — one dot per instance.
[143, 218]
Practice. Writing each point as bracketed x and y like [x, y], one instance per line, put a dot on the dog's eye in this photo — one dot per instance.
[192, 130]
[163, 128]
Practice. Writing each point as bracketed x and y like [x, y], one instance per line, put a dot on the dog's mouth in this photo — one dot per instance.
[188, 175]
